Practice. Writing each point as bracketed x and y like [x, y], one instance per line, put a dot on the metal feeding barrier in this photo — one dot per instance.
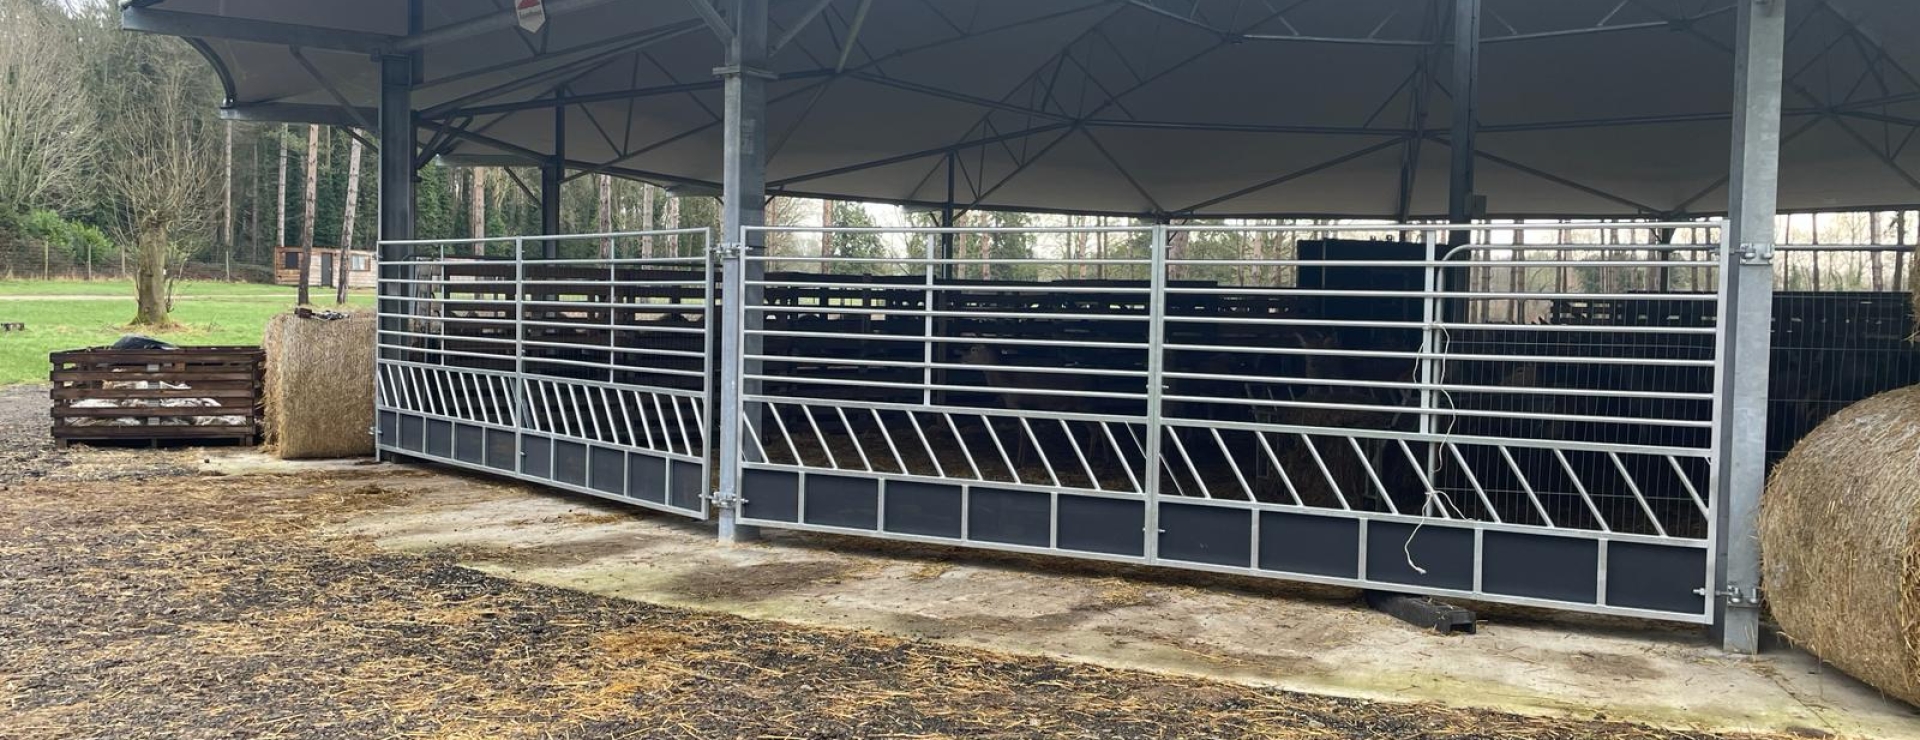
[1499, 422]
[1403, 408]
[523, 357]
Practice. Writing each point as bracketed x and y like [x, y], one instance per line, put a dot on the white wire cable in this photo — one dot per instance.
[1435, 498]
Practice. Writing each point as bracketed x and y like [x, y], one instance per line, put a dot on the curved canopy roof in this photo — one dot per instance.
[1165, 107]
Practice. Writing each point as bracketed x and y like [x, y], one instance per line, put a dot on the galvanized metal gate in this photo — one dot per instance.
[582, 362]
[1531, 422]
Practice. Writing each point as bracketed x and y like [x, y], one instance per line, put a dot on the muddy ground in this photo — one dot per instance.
[140, 599]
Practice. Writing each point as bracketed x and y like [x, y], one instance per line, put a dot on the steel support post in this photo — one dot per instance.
[1156, 387]
[396, 152]
[743, 204]
[1747, 316]
[398, 75]
[1466, 111]
[552, 176]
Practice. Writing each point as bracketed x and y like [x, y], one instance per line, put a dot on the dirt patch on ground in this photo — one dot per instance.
[756, 582]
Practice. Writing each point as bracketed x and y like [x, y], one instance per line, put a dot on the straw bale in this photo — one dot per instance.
[1840, 529]
[319, 389]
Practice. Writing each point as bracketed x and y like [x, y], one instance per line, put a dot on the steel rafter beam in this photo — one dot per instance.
[227, 28]
[581, 66]
[600, 97]
[313, 113]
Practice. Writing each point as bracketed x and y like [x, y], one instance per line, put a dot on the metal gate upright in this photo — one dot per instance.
[582, 362]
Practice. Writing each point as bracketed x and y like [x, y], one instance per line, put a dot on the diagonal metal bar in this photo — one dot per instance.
[357, 114]
[806, 19]
[853, 35]
[713, 20]
[1291, 176]
[1122, 169]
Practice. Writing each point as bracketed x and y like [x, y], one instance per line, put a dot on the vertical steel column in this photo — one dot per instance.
[743, 204]
[396, 154]
[1466, 111]
[398, 75]
[552, 176]
[1747, 317]
[1156, 388]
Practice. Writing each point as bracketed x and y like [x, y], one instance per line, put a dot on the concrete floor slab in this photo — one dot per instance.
[1308, 639]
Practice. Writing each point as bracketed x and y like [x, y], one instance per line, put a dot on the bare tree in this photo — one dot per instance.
[280, 202]
[308, 203]
[477, 210]
[44, 122]
[158, 166]
[226, 205]
[343, 266]
[646, 219]
[605, 183]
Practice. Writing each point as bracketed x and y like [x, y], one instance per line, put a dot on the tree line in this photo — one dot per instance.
[114, 161]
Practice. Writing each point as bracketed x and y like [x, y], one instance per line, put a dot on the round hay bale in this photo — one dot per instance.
[1840, 533]
[319, 386]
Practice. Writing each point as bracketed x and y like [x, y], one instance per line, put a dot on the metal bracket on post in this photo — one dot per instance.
[744, 71]
[1756, 254]
[731, 500]
[729, 251]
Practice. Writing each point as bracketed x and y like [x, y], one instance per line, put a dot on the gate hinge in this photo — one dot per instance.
[729, 250]
[1756, 254]
[1737, 597]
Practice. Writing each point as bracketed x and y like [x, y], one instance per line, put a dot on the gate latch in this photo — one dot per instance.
[729, 250]
[1736, 596]
[725, 499]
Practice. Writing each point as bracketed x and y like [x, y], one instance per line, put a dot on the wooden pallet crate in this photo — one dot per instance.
[150, 396]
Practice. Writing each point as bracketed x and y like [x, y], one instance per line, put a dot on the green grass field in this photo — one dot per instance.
[65, 314]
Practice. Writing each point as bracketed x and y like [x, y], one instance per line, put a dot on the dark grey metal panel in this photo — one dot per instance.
[469, 444]
[501, 452]
[842, 501]
[926, 509]
[412, 433]
[570, 462]
[1540, 566]
[647, 477]
[1656, 577]
[686, 485]
[1310, 545]
[389, 427]
[1445, 553]
[607, 470]
[1010, 517]
[439, 438]
[1105, 525]
[536, 456]
[771, 495]
[1206, 534]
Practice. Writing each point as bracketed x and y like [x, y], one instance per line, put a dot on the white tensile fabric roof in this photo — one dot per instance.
[1165, 107]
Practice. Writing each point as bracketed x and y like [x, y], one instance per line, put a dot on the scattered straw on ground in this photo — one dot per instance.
[1840, 528]
[189, 606]
[319, 386]
[183, 609]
